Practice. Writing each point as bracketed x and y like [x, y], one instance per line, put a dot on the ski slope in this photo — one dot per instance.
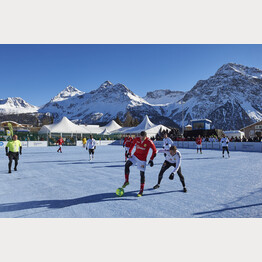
[54, 185]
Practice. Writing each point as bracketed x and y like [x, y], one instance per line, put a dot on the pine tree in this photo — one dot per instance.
[117, 120]
[128, 121]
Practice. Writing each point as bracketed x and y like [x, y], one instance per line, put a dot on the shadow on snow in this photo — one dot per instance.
[55, 204]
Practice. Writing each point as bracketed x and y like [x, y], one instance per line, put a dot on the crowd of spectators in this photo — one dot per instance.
[175, 135]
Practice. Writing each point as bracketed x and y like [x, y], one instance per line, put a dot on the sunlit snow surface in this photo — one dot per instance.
[51, 184]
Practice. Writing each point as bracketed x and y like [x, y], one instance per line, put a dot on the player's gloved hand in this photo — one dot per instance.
[171, 177]
[151, 163]
[127, 155]
[95, 147]
[20, 153]
[86, 148]
[123, 145]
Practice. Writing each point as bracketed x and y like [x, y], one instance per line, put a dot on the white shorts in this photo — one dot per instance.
[127, 149]
[199, 146]
[141, 165]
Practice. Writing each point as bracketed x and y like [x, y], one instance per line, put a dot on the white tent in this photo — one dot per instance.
[92, 129]
[64, 126]
[154, 130]
[145, 125]
[234, 133]
[105, 132]
[112, 126]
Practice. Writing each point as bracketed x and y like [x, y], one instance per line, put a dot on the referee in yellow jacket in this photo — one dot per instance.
[15, 148]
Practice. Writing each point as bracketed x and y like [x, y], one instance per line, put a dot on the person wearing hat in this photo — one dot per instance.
[15, 148]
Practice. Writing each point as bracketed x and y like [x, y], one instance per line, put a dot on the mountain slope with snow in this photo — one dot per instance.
[102, 105]
[232, 98]
[163, 97]
[16, 105]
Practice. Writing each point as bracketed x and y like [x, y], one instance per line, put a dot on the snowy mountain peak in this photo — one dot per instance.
[233, 69]
[16, 105]
[106, 84]
[68, 92]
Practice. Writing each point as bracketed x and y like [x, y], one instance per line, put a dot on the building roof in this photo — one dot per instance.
[257, 123]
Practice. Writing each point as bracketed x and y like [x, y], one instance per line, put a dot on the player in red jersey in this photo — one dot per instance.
[127, 143]
[143, 144]
[199, 144]
[60, 141]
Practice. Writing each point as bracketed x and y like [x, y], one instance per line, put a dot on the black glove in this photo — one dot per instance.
[171, 177]
[20, 152]
[151, 163]
[86, 148]
[127, 155]
[95, 147]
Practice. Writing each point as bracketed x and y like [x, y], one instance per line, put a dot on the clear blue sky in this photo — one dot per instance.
[39, 72]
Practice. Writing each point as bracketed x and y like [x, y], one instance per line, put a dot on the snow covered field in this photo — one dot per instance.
[51, 184]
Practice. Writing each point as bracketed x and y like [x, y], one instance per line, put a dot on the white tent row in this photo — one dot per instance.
[66, 126]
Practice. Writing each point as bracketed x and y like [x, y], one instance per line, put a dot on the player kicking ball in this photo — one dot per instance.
[143, 144]
[173, 158]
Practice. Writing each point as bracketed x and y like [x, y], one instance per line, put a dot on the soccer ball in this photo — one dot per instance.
[120, 191]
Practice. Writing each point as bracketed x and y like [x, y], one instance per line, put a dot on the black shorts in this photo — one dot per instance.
[13, 155]
[91, 151]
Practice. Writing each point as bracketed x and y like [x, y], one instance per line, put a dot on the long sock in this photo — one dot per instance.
[142, 187]
[126, 177]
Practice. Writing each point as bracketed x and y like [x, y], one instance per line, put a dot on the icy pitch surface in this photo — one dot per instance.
[51, 184]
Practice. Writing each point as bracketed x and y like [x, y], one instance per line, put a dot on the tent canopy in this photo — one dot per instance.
[145, 125]
[112, 126]
[64, 126]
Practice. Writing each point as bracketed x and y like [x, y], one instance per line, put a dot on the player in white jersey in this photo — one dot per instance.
[224, 142]
[167, 143]
[173, 158]
[91, 146]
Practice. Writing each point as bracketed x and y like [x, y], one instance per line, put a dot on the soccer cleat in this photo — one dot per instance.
[9, 171]
[125, 184]
[223, 156]
[156, 186]
[15, 169]
[140, 194]
[184, 189]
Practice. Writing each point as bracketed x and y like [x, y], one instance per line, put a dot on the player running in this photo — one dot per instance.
[167, 143]
[14, 146]
[127, 143]
[173, 158]
[224, 141]
[91, 146]
[60, 142]
[199, 144]
[143, 144]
